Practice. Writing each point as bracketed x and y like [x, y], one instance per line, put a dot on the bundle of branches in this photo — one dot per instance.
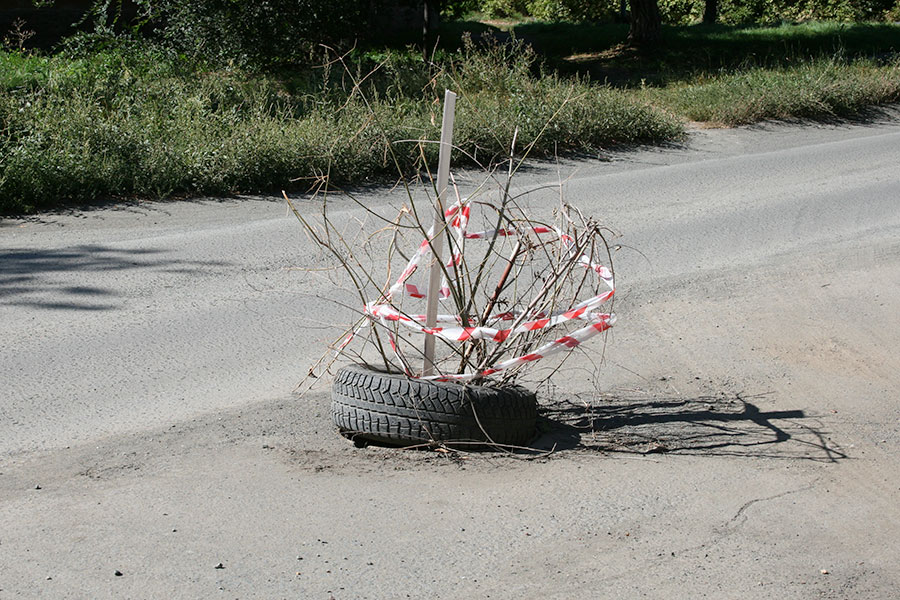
[515, 288]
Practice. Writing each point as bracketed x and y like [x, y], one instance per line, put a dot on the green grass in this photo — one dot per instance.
[735, 75]
[132, 120]
[125, 123]
[817, 89]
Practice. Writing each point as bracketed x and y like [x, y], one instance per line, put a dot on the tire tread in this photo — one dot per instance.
[391, 408]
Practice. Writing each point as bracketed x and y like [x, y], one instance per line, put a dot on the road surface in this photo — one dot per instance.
[740, 439]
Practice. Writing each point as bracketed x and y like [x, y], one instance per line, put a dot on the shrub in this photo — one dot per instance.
[504, 8]
[577, 11]
[680, 12]
[455, 9]
[257, 33]
[261, 32]
[774, 11]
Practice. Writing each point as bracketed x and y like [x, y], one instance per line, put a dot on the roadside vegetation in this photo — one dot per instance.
[128, 121]
[115, 113]
[816, 89]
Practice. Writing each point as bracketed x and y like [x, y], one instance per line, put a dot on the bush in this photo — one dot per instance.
[893, 13]
[504, 8]
[576, 11]
[775, 11]
[456, 9]
[261, 32]
[680, 12]
[686, 12]
[257, 33]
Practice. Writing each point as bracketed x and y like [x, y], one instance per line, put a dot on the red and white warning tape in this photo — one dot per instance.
[458, 219]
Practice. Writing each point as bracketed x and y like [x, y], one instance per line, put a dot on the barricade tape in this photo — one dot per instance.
[458, 218]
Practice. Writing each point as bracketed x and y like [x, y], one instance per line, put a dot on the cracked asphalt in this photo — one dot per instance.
[734, 436]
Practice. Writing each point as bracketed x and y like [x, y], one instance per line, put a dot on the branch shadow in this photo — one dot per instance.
[702, 425]
[37, 278]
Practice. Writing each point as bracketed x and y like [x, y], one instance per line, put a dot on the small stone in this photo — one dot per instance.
[37, 487]
[824, 571]
[118, 573]
[656, 448]
[220, 566]
[49, 578]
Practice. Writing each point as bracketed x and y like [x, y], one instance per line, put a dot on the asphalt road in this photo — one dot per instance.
[742, 444]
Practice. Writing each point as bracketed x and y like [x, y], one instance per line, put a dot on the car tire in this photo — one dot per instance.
[372, 406]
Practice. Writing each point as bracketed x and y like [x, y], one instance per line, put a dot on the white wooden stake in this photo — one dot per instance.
[434, 277]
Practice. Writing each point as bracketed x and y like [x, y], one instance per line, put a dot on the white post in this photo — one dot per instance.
[443, 177]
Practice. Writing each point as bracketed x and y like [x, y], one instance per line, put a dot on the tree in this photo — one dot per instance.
[711, 12]
[646, 23]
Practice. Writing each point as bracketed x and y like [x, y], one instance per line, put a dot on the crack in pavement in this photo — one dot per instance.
[749, 503]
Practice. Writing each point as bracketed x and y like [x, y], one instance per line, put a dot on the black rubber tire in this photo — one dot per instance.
[394, 409]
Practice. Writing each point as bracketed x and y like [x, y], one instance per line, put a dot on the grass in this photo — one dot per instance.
[815, 89]
[133, 120]
[727, 75]
[124, 123]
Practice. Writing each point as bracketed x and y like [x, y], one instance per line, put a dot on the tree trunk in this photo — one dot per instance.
[711, 12]
[430, 20]
[646, 23]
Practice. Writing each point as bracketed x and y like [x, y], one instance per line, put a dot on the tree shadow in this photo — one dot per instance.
[36, 278]
[597, 49]
[702, 425]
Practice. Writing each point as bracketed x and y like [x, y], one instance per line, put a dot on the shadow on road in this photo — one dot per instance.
[715, 426]
[41, 278]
